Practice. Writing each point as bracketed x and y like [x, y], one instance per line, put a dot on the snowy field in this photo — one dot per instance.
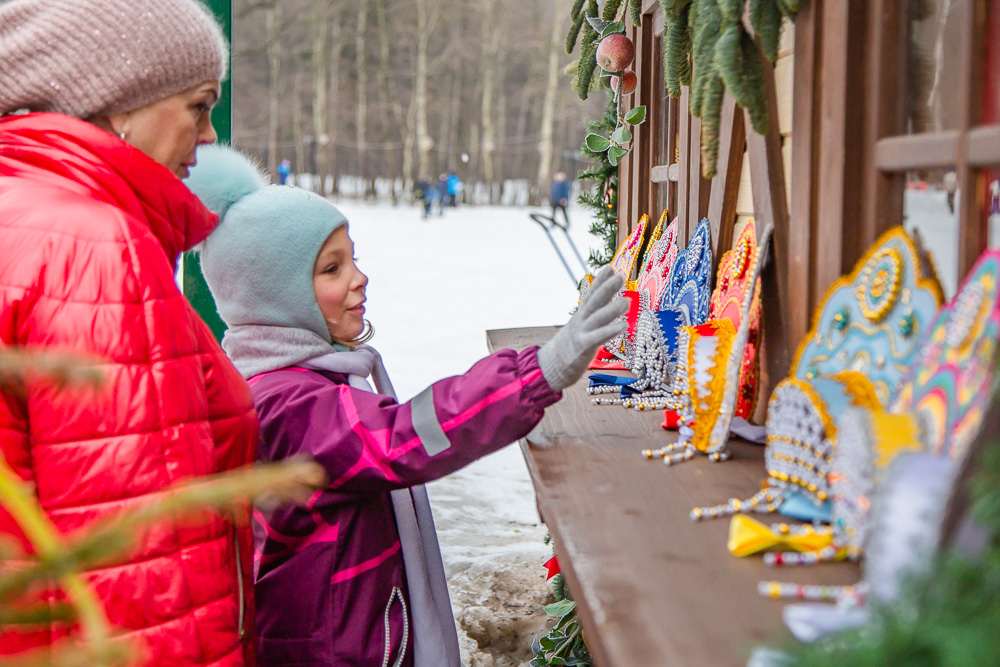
[928, 213]
[435, 287]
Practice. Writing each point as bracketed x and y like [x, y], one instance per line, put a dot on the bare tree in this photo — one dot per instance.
[321, 31]
[545, 142]
[403, 88]
[273, 20]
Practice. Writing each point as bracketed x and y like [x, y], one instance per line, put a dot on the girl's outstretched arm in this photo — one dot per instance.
[369, 443]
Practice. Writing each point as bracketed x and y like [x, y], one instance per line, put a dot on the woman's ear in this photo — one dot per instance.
[115, 124]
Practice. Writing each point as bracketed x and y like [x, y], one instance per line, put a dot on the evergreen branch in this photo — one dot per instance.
[711, 113]
[18, 499]
[675, 56]
[635, 7]
[291, 480]
[62, 369]
[611, 8]
[574, 33]
[765, 17]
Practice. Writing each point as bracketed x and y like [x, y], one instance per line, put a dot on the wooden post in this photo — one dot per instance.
[193, 284]
[800, 257]
[726, 183]
[767, 177]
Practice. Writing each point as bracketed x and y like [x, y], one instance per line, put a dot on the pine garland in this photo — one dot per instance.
[564, 645]
[708, 37]
[635, 11]
[587, 63]
[602, 198]
[675, 56]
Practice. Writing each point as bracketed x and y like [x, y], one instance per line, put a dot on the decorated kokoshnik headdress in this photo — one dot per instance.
[611, 354]
[711, 373]
[650, 351]
[727, 300]
[863, 339]
[654, 277]
[939, 409]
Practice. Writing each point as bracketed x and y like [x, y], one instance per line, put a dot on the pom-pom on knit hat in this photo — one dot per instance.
[85, 58]
[258, 263]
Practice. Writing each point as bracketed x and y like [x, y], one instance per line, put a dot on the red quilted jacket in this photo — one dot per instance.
[89, 232]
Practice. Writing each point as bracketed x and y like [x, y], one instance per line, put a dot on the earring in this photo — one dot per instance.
[121, 135]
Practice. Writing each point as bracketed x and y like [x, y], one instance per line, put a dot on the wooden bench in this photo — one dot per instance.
[652, 586]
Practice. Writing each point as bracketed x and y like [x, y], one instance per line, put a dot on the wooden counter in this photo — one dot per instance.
[652, 586]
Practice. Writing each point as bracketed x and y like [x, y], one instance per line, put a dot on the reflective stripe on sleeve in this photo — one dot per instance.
[425, 423]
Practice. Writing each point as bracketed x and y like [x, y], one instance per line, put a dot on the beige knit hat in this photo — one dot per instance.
[91, 57]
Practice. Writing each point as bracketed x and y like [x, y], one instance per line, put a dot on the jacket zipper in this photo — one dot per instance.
[239, 586]
[396, 592]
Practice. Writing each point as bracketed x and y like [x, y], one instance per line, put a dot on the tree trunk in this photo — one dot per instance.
[321, 29]
[490, 46]
[424, 141]
[545, 147]
[332, 166]
[389, 165]
[272, 21]
[300, 156]
[361, 111]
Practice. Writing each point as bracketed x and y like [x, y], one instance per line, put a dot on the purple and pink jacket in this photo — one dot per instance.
[330, 578]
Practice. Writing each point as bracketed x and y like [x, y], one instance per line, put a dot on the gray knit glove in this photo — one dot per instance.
[564, 358]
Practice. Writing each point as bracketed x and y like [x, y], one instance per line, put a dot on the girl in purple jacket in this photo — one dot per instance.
[354, 576]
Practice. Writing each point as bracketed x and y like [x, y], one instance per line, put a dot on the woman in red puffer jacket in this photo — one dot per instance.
[93, 215]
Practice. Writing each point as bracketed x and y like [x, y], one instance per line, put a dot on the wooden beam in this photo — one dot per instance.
[684, 146]
[767, 177]
[800, 257]
[885, 67]
[658, 174]
[838, 228]
[910, 152]
[694, 176]
[725, 185]
[643, 145]
[973, 226]
[983, 146]
[673, 125]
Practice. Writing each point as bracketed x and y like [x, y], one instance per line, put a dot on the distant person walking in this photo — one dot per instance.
[425, 192]
[442, 192]
[950, 186]
[455, 187]
[284, 169]
[559, 195]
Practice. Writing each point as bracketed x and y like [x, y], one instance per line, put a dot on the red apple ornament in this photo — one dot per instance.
[615, 53]
[628, 86]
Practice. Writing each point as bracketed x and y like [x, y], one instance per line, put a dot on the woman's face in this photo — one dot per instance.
[170, 129]
[340, 287]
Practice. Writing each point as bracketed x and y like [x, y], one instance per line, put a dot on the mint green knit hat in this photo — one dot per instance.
[258, 262]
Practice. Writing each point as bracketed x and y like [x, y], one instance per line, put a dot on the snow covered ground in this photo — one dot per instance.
[928, 213]
[435, 287]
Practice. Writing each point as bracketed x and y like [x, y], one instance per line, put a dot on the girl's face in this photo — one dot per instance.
[340, 287]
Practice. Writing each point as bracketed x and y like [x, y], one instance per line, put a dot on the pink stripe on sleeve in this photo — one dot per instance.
[467, 414]
[369, 564]
[495, 397]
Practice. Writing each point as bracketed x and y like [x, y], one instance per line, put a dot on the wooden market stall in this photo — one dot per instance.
[874, 99]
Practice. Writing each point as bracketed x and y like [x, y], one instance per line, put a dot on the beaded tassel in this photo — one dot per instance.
[780, 590]
[762, 502]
